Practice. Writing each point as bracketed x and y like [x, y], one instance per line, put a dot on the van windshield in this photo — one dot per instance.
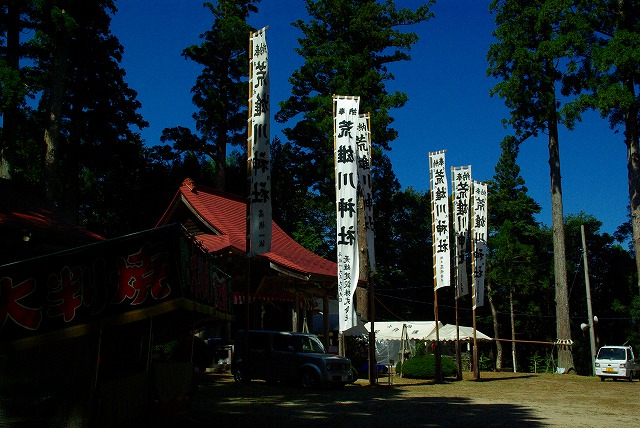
[309, 344]
[612, 354]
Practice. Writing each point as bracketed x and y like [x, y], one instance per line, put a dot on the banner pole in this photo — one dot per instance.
[474, 296]
[476, 366]
[458, 357]
[438, 368]
[372, 335]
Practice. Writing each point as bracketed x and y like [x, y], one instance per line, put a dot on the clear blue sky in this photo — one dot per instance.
[449, 105]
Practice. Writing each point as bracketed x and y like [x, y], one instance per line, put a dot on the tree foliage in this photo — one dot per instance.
[515, 233]
[609, 82]
[347, 47]
[404, 254]
[86, 114]
[17, 82]
[220, 91]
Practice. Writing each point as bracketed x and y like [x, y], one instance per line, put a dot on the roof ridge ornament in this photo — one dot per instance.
[190, 184]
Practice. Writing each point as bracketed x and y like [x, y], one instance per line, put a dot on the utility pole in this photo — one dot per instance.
[592, 333]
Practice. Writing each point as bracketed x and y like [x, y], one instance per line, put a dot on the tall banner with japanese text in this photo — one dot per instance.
[259, 163]
[363, 141]
[346, 176]
[440, 219]
[461, 189]
[479, 241]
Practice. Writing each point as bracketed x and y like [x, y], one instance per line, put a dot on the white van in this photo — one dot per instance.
[616, 362]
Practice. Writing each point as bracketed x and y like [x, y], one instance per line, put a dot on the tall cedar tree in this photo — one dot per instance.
[514, 235]
[220, 91]
[93, 157]
[56, 31]
[347, 46]
[15, 18]
[535, 38]
[611, 76]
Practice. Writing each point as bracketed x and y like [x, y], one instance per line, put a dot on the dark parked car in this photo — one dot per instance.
[279, 356]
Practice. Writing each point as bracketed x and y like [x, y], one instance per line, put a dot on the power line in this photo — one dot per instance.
[520, 314]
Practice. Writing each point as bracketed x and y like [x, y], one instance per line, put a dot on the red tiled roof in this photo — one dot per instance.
[22, 209]
[227, 215]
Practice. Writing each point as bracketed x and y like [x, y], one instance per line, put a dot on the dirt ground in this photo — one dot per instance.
[497, 399]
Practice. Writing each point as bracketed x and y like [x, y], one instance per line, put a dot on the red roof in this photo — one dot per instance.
[23, 210]
[226, 215]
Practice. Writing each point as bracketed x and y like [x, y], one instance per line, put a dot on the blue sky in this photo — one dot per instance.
[449, 105]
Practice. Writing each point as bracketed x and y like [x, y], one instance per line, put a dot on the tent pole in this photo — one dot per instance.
[405, 341]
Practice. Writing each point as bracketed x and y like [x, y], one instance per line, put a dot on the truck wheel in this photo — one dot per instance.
[309, 379]
[601, 378]
[240, 377]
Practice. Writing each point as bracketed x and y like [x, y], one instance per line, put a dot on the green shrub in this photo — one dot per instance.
[540, 364]
[485, 363]
[421, 349]
[423, 367]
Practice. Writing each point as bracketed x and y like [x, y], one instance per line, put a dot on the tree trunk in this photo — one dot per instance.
[633, 174]
[220, 156]
[628, 21]
[9, 122]
[563, 326]
[220, 145]
[514, 358]
[496, 330]
[70, 162]
[53, 182]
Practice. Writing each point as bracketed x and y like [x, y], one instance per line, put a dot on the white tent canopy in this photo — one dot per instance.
[392, 330]
[389, 338]
[447, 333]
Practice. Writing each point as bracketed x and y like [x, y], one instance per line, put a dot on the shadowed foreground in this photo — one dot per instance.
[221, 401]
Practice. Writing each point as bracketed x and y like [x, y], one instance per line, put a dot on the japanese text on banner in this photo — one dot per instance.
[461, 187]
[479, 241]
[259, 144]
[346, 174]
[440, 218]
[363, 141]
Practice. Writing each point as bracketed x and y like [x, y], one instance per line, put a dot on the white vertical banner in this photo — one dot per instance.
[440, 219]
[259, 146]
[461, 190]
[363, 141]
[346, 174]
[479, 241]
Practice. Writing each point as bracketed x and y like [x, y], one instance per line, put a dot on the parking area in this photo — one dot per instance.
[498, 399]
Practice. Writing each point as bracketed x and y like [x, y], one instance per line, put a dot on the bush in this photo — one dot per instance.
[424, 367]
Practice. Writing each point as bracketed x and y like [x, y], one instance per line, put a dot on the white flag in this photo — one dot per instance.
[259, 152]
[440, 219]
[479, 241]
[363, 141]
[461, 189]
[346, 172]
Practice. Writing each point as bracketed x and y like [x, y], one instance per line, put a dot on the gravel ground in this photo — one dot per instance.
[497, 399]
